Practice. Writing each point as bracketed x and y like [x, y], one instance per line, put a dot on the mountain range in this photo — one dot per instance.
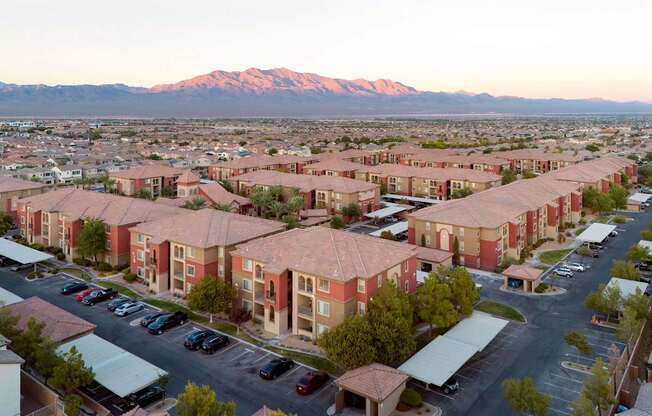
[277, 92]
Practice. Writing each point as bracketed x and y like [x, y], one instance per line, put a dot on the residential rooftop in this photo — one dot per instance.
[9, 184]
[306, 183]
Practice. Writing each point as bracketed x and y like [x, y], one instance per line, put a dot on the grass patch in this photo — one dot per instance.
[80, 274]
[553, 256]
[500, 309]
[603, 219]
[580, 230]
[620, 219]
[319, 363]
[120, 289]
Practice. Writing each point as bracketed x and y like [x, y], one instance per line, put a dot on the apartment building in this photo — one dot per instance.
[498, 223]
[56, 219]
[306, 281]
[537, 161]
[283, 163]
[174, 255]
[11, 190]
[599, 173]
[330, 192]
[334, 167]
[433, 183]
[152, 178]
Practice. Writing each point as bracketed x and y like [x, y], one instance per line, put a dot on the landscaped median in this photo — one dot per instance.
[501, 310]
[553, 256]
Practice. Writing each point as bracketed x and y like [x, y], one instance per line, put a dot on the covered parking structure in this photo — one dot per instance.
[438, 361]
[414, 199]
[636, 201]
[596, 233]
[386, 212]
[521, 275]
[396, 229]
[627, 287]
[119, 371]
[22, 254]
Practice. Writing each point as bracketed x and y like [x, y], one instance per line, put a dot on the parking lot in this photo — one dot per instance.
[232, 371]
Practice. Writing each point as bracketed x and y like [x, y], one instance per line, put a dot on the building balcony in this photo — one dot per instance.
[178, 276]
[306, 332]
[271, 297]
[307, 289]
[259, 277]
[259, 298]
[305, 311]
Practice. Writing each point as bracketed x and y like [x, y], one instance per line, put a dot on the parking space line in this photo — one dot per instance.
[559, 411]
[233, 345]
[261, 358]
[566, 378]
[296, 367]
[245, 352]
[560, 387]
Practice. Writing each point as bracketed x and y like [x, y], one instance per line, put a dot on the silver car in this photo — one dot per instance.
[576, 267]
[129, 308]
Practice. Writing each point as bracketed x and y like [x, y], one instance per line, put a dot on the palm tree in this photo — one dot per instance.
[107, 182]
[295, 204]
[226, 207]
[260, 199]
[195, 204]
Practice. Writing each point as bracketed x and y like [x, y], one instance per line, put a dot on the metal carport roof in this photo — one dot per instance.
[398, 228]
[386, 212]
[596, 232]
[639, 197]
[441, 358]
[8, 298]
[20, 253]
[627, 287]
[118, 370]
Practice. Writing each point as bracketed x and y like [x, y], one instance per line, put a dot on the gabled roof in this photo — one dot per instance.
[9, 184]
[147, 171]
[305, 183]
[375, 381]
[523, 272]
[218, 195]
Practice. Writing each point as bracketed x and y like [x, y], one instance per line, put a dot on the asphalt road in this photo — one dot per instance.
[540, 348]
[232, 372]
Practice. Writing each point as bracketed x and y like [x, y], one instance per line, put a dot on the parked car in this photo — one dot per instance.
[275, 368]
[148, 319]
[129, 308]
[648, 290]
[148, 396]
[563, 272]
[167, 321]
[80, 296]
[614, 233]
[642, 266]
[99, 296]
[450, 386]
[576, 267]
[514, 283]
[116, 303]
[73, 287]
[194, 340]
[311, 381]
[214, 343]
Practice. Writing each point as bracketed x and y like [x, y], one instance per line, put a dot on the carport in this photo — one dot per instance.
[530, 277]
[635, 201]
[395, 229]
[117, 370]
[386, 212]
[647, 244]
[22, 254]
[596, 233]
[627, 287]
[415, 199]
[8, 298]
[445, 355]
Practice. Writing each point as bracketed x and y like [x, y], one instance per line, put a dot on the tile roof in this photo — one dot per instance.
[432, 254]
[592, 170]
[439, 174]
[209, 228]
[188, 177]
[326, 252]
[335, 165]
[306, 183]
[60, 325]
[522, 271]
[535, 154]
[218, 195]
[263, 161]
[110, 208]
[147, 171]
[9, 184]
[375, 381]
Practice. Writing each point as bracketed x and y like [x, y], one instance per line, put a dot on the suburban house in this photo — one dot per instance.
[330, 192]
[68, 174]
[56, 219]
[305, 281]
[433, 183]
[153, 178]
[12, 189]
[172, 255]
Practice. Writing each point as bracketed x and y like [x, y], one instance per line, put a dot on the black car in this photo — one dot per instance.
[148, 396]
[450, 386]
[99, 296]
[74, 287]
[275, 368]
[194, 340]
[214, 343]
[115, 303]
[148, 319]
[167, 321]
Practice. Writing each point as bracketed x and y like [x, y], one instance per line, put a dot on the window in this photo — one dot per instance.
[107, 245]
[140, 272]
[461, 246]
[362, 308]
[362, 286]
[246, 305]
[321, 329]
[140, 255]
[190, 270]
[140, 238]
[220, 270]
[380, 280]
[178, 252]
[190, 252]
[246, 285]
[324, 308]
[246, 265]
[461, 231]
[324, 285]
[405, 266]
[407, 286]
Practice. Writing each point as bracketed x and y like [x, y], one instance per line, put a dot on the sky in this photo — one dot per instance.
[531, 48]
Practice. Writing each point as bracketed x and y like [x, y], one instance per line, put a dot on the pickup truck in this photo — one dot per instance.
[99, 296]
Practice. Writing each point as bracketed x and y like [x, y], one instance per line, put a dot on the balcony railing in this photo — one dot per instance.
[178, 276]
[305, 311]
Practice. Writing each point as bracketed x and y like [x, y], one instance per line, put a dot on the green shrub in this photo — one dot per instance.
[584, 251]
[103, 266]
[541, 288]
[411, 397]
[120, 267]
[129, 277]
[37, 246]
[620, 219]
[61, 256]
[34, 275]
[582, 221]
[81, 261]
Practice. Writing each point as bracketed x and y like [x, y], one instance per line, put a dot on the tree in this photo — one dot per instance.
[461, 193]
[456, 252]
[592, 147]
[352, 210]
[434, 304]
[596, 390]
[603, 203]
[388, 235]
[144, 194]
[647, 233]
[583, 407]
[71, 372]
[294, 204]
[624, 180]
[639, 303]
[202, 401]
[337, 222]
[226, 207]
[350, 344]
[260, 199]
[5, 223]
[92, 239]
[625, 270]
[577, 340]
[629, 324]
[508, 176]
[272, 151]
[618, 196]
[226, 185]
[528, 174]
[464, 292]
[638, 253]
[107, 182]
[605, 300]
[584, 251]
[276, 208]
[72, 404]
[523, 396]
[212, 295]
[390, 316]
[195, 204]
[589, 197]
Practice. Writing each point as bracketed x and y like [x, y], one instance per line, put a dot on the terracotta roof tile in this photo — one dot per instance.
[375, 381]
[306, 183]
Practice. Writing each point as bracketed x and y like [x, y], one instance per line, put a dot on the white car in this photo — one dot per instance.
[129, 308]
[562, 272]
[576, 267]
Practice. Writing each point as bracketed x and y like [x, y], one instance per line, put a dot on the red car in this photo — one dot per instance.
[311, 381]
[82, 295]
